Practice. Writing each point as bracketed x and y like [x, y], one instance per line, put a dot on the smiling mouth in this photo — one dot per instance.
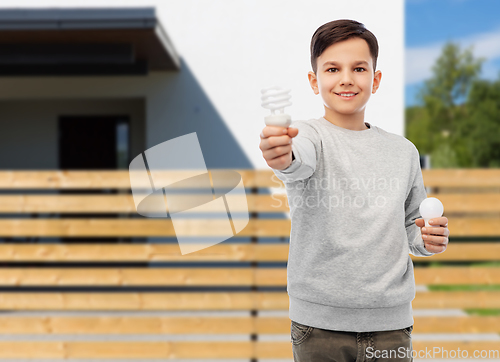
[347, 97]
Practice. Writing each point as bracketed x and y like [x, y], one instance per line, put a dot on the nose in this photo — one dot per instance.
[345, 78]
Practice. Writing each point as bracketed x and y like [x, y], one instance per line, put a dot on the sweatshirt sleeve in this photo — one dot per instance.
[306, 147]
[412, 204]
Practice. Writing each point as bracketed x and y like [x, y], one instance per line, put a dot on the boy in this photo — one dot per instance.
[354, 192]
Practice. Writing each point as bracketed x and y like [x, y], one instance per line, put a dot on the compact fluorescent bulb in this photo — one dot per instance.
[276, 98]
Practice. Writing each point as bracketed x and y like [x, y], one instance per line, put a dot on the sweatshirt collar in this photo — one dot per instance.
[366, 133]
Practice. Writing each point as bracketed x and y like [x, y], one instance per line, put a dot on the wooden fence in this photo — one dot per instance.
[54, 290]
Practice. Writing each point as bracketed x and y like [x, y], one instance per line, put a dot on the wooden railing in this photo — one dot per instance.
[47, 278]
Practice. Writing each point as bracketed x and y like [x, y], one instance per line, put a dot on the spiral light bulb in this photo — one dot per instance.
[276, 98]
[431, 208]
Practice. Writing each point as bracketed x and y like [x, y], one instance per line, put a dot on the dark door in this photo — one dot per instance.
[92, 142]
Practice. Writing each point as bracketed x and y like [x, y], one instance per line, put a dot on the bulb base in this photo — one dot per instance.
[278, 120]
[427, 225]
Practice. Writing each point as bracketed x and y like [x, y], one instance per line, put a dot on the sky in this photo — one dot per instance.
[429, 24]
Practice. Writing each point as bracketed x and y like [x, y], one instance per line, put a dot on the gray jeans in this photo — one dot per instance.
[310, 344]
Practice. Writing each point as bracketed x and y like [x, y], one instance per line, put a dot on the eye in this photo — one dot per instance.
[337, 69]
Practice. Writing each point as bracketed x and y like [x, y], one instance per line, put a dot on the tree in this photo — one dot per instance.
[481, 127]
[457, 134]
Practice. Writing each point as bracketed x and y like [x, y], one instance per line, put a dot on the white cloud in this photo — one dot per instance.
[419, 60]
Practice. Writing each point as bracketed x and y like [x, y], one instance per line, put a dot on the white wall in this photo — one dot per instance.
[236, 48]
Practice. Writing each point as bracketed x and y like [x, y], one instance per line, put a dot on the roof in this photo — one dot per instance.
[84, 41]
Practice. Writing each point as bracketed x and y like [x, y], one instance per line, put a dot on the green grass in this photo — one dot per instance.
[487, 264]
[467, 287]
[483, 312]
[458, 288]
[454, 288]
[493, 264]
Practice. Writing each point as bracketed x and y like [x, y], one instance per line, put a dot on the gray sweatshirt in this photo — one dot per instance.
[354, 197]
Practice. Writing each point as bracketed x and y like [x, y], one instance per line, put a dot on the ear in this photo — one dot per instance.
[376, 81]
[313, 81]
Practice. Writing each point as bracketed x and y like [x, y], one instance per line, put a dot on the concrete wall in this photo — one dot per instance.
[28, 135]
[174, 103]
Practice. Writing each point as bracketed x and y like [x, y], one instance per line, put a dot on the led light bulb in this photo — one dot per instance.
[276, 98]
[431, 208]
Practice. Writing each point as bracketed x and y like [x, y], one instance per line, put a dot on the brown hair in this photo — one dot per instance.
[337, 31]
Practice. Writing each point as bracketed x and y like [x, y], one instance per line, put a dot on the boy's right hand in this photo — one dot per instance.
[276, 146]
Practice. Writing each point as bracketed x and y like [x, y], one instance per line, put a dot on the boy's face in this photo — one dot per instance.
[345, 76]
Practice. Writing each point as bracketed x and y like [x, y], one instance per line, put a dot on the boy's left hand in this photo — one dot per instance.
[435, 238]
